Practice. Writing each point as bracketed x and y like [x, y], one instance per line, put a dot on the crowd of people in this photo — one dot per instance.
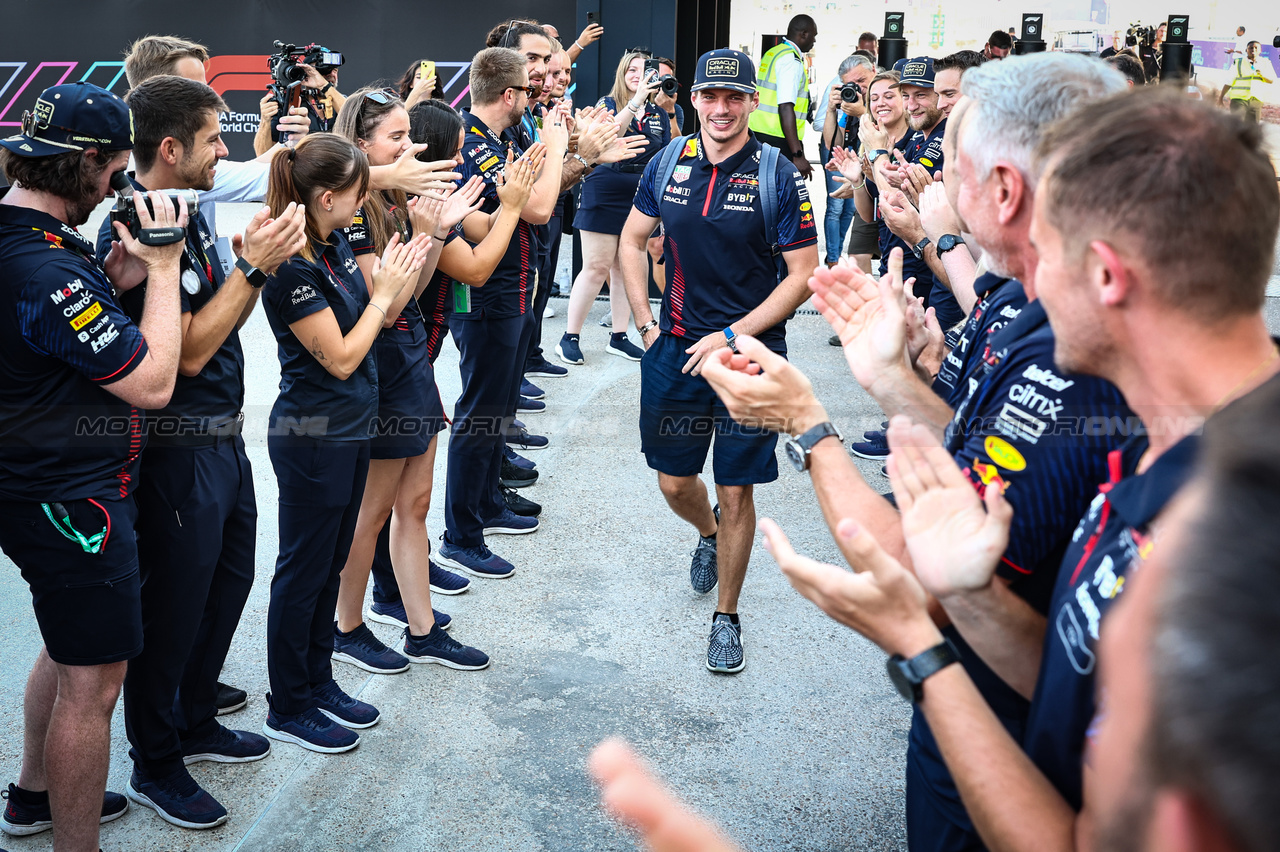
[1077, 395]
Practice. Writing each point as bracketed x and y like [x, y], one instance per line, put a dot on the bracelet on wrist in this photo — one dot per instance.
[380, 310]
[581, 159]
[577, 45]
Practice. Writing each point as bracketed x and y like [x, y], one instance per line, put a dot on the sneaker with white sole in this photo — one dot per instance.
[703, 573]
[523, 440]
[529, 390]
[509, 523]
[540, 366]
[568, 350]
[226, 746]
[724, 650]
[441, 648]
[310, 729]
[478, 561]
[392, 612]
[343, 709]
[27, 812]
[620, 345]
[446, 582]
[178, 799]
[362, 649]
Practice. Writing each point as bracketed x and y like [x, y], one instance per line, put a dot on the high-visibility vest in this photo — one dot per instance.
[765, 117]
[1242, 85]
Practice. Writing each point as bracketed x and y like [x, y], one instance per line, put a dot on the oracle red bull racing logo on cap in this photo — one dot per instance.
[915, 69]
[724, 66]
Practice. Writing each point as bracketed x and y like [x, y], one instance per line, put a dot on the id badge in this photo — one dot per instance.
[461, 298]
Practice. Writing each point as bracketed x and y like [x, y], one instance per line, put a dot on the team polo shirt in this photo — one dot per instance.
[215, 395]
[313, 401]
[654, 126]
[63, 338]
[1110, 543]
[1000, 300]
[916, 147]
[408, 328]
[509, 290]
[719, 264]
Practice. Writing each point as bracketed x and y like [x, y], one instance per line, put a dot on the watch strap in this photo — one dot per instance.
[918, 248]
[947, 242]
[812, 436]
[919, 668]
[876, 154]
[255, 276]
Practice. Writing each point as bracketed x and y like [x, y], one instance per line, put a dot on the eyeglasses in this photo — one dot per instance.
[531, 91]
[383, 96]
[644, 51]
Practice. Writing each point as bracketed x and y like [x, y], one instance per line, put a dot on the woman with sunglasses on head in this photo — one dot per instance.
[607, 194]
[410, 413]
[325, 319]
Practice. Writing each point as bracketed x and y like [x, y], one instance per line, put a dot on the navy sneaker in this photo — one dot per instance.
[343, 709]
[568, 350]
[27, 812]
[876, 449]
[703, 574]
[310, 729]
[529, 390]
[521, 439]
[226, 746]
[877, 434]
[363, 650]
[178, 799]
[620, 345]
[724, 651]
[540, 366]
[478, 561]
[834, 340]
[392, 612]
[531, 406]
[446, 582]
[521, 505]
[230, 699]
[509, 523]
[517, 459]
[439, 647]
[512, 476]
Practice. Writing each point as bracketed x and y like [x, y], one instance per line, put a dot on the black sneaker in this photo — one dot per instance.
[542, 367]
[226, 746]
[230, 699]
[724, 650]
[362, 649]
[439, 647]
[27, 812]
[703, 574]
[529, 390]
[531, 406]
[178, 799]
[568, 350]
[310, 729]
[521, 505]
[513, 476]
[620, 345]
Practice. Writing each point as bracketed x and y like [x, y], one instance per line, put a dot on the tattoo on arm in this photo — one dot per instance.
[316, 350]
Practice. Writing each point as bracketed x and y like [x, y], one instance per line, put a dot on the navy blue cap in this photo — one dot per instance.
[917, 72]
[725, 69]
[73, 117]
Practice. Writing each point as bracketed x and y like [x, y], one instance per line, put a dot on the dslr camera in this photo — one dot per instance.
[850, 93]
[286, 63]
[126, 212]
[667, 83]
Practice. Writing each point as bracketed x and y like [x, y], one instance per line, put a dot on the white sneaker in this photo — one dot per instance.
[548, 311]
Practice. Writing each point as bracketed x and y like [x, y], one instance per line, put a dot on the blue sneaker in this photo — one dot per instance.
[343, 709]
[531, 406]
[703, 573]
[446, 582]
[620, 345]
[540, 366]
[310, 729]
[393, 613]
[569, 351]
[521, 439]
[874, 448]
[363, 650]
[478, 561]
[509, 523]
[27, 811]
[226, 746]
[529, 390]
[724, 651]
[518, 460]
[439, 647]
[178, 799]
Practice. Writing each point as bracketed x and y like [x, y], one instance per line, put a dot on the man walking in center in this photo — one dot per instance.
[723, 280]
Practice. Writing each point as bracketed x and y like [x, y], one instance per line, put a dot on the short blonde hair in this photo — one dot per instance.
[152, 56]
[619, 93]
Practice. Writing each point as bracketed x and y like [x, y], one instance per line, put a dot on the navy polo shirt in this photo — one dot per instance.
[436, 301]
[653, 125]
[313, 401]
[63, 336]
[719, 265]
[509, 290]
[1000, 300]
[216, 394]
[522, 135]
[1110, 542]
[408, 327]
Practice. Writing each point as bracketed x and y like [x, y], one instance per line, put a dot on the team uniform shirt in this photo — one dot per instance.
[313, 401]
[408, 328]
[509, 290]
[1109, 544]
[63, 337]
[719, 265]
[916, 147]
[521, 136]
[654, 126]
[214, 396]
[1000, 300]
[436, 302]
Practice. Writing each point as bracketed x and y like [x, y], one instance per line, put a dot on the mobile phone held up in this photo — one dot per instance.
[426, 70]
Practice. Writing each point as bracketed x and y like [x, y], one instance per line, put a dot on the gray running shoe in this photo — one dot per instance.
[703, 575]
[724, 651]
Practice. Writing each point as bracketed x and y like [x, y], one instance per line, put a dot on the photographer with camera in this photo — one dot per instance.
[197, 515]
[666, 95]
[305, 77]
[607, 193]
[78, 374]
[837, 125]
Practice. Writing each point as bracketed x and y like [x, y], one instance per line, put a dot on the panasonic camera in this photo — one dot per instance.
[286, 63]
[125, 211]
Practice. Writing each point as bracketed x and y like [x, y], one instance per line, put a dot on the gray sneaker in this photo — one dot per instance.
[703, 575]
[724, 651]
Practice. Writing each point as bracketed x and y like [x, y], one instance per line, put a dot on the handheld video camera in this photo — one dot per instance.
[667, 83]
[288, 74]
[850, 93]
[126, 212]
[1139, 34]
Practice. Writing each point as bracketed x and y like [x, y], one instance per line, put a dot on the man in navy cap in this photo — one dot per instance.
[78, 373]
[723, 280]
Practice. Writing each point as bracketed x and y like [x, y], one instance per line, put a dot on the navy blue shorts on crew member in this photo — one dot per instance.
[679, 414]
[606, 201]
[410, 411]
[88, 605]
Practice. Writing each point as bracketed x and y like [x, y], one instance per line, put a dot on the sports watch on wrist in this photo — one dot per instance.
[947, 242]
[909, 675]
[918, 248]
[798, 448]
[877, 154]
[255, 276]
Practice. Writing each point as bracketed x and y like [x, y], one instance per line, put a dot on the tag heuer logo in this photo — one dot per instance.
[722, 68]
[681, 174]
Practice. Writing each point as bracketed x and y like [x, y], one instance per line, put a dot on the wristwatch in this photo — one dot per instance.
[255, 275]
[798, 448]
[909, 675]
[918, 248]
[731, 338]
[799, 153]
[947, 242]
[874, 155]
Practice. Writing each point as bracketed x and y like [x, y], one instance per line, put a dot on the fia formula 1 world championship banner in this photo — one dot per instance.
[378, 40]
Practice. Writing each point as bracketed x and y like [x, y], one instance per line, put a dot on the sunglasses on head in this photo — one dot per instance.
[383, 96]
[643, 51]
[506, 37]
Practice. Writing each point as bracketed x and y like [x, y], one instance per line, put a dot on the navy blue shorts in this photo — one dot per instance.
[88, 605]
[606, 201]
[679, 415]
[410, 412]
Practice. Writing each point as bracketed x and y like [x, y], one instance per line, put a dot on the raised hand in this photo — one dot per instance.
[153, 257]
[872, 136]
[761, 388]
[937, 216]
[268, 242]
[462, 203]
[418, 178]
[868, 315]
[517, 184]
[590, 34]
[425, 213]
[399, 264]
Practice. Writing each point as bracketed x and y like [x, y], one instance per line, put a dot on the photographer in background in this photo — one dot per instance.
[675, 112]
[320, 96]
[998, 45]
[783, 87]
[837, 125]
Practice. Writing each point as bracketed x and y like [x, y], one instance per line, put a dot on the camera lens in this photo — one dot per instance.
[670, 85]
[295, 73]
[850, 93]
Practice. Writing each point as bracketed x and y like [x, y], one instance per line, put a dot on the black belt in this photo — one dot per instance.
[228, 430]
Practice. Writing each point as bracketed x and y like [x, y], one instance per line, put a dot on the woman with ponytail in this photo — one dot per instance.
[325, 320]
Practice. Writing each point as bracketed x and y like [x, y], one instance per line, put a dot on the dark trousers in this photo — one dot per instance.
[321, 485]
[490, 355]
[546, 279]
[197, 523]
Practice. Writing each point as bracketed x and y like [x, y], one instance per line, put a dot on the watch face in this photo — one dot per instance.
[901, 680]
[795, 454]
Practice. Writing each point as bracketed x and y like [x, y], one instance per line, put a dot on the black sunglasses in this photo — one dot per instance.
[506, 37]
[644, 51]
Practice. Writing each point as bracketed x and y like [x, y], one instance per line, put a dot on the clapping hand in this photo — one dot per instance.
[868, 315]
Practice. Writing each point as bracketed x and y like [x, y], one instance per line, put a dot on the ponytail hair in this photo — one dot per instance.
[436, 124]
[358, 120]
[320, 162]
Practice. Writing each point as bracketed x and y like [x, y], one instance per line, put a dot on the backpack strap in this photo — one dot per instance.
[667, 161]
[769, 195]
